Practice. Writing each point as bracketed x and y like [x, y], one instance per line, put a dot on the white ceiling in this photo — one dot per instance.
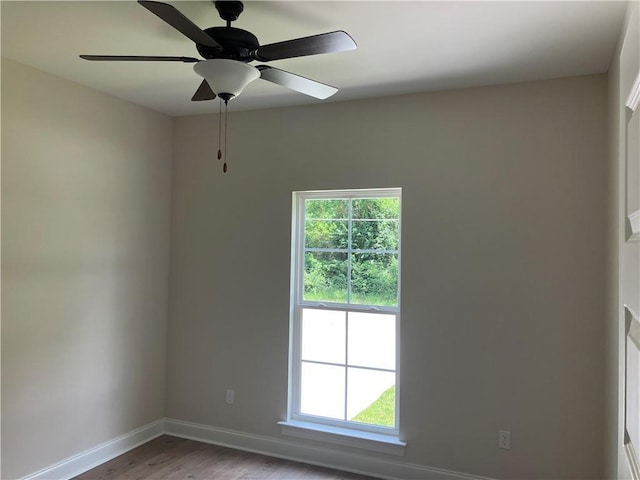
[403, 47]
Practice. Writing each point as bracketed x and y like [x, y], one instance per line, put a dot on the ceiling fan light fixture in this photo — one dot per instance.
[227, 78]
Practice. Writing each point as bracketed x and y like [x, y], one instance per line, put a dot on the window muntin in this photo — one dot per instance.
[345, 300]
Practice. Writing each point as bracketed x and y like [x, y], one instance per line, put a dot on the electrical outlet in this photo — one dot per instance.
[230, 396]
[504, 439]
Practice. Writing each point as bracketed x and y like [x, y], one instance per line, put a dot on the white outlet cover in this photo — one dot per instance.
[504, 439]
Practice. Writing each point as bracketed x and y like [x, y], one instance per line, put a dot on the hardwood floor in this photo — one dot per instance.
[172, 458]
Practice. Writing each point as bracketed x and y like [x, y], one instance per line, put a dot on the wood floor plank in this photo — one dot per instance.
[172, 458]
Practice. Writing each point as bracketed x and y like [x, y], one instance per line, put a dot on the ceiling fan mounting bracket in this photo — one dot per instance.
[229, 10]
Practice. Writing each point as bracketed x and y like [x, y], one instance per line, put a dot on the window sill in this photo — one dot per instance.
[344, 436]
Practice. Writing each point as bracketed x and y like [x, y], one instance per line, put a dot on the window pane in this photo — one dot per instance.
[325, 276]
[323, 335]
[326, 234]
[371, 397]
[322, 390]
[375, 234]
[372, 340]
[374, 279]
[376, 208]
[328, 209]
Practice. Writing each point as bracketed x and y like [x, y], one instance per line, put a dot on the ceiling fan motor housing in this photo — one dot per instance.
[237, 44]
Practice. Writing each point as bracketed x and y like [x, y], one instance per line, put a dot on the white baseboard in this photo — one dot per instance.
[298, 451]
[93, 457]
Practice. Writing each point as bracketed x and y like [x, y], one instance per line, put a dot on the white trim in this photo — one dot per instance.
[346, 437]
[104, 452]
[633, 225]
[633, 101]
[335, 458]
[351, 193]
[632, 458]
[632, 326]
[632, 332]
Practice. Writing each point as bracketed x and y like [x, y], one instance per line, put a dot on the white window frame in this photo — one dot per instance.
[297, 422]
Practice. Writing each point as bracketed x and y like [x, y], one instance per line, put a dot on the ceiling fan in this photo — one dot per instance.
[227, 52]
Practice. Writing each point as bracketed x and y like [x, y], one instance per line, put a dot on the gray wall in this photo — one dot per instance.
[86, 184]
[503, 275]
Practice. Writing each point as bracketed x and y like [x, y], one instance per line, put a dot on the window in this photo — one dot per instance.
[345, 301]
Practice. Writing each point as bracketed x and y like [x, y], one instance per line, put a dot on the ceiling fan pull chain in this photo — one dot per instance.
[226, 114]
[220, 130]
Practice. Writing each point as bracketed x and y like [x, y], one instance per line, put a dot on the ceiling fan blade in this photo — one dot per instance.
[177, 20]
[331, 42]
[138, 58]
[296, 82]
[204, 92]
